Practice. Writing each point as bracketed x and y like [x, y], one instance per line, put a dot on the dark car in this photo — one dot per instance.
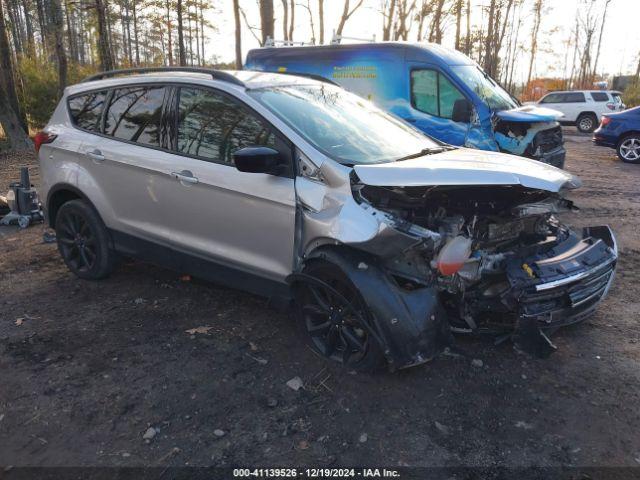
[622, 132]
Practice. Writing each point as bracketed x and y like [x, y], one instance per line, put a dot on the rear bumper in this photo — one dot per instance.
[565, 285]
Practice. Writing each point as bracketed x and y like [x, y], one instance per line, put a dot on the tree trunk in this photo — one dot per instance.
[458, 22]
[55, 16]
[135, 32]
[181, 51]
[534, 37]
[388, 21]
[467, 39]
[267, 20]
[321, 20]
[604, 17]
[488, 41]
[293, 19]
[202, 31]
[104, 50]
[285, 20]
[346, 14]
[18, 138]
[13, 124]
[236, 20]
[169, 40]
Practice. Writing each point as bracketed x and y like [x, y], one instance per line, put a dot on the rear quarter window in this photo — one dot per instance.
[86, 110]
[573, 97]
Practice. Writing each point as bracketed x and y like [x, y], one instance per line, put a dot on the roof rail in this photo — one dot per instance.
[215, 74]
[271, 42]
[337, 39]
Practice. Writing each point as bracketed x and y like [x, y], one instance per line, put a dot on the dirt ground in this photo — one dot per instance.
[87, 368]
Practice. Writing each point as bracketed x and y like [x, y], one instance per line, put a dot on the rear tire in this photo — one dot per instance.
[586, 122]
[628, 148]
[83, 241]
[332, 319]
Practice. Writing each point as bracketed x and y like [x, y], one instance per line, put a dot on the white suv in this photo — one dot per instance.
[384, 238]
[583, 108]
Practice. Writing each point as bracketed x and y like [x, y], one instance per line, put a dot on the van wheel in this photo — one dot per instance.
[586, 122]
[334, 318]
[83, 241]
[628, 148]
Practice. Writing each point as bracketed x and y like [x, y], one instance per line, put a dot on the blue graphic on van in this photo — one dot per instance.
[440, 91]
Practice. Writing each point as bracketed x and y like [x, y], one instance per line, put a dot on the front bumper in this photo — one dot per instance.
[564, 285]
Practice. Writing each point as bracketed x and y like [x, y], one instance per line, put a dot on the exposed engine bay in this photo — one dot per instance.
[541, 141]
[484, 247]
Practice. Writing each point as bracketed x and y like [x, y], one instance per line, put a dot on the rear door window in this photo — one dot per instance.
[433, 93]
[573, 97]
[553, 98]
[86, 110]
[600, 96]
[213, 126]
[135, 114]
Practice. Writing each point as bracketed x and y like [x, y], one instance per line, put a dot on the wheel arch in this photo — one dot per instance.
[587, 112]
[60, 194]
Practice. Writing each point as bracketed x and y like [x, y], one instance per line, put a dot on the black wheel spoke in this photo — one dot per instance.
[315, 311]
[320, 329]
[352, 339]
[331, 341]
[322, 302]
[84, 258]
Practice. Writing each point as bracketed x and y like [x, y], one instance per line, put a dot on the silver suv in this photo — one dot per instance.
[385, 239]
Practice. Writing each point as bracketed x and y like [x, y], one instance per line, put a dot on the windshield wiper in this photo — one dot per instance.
[426, 151]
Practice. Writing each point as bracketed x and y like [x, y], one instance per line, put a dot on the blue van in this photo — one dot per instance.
[441, 91]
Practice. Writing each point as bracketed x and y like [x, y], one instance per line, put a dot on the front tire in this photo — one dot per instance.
[335, 320]
[628, 148]
[83, 241]
[586, 122]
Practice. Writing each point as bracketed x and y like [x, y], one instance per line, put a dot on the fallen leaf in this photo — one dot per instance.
[185, 278]
[295, 383]
[203, 330]
[303, 445]
[19, 321]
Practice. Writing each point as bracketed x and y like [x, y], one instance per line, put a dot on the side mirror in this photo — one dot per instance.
[462, 110]
[259, 160]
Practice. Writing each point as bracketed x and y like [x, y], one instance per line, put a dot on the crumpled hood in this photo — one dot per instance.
[529, 113]
[464, 166]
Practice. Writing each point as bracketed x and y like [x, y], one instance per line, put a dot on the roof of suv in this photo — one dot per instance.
[243, 79]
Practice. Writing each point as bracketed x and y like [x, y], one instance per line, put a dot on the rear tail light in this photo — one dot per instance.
[41, 138]
[605, 121]
[611, 105]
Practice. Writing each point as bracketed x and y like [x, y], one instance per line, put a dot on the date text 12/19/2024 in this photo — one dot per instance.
[315, 473]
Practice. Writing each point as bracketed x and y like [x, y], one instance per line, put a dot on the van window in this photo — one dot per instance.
[433, 93]
[86, 110]
[600, 96]
[135, 113]
[213, 126]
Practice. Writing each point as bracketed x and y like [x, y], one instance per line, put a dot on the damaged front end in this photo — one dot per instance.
[539, 140]
[428, 259]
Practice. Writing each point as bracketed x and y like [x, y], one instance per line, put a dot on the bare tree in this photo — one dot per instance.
[321, 20]
[104, 46]
[266, 19]
[236, 19]
[292, 20]
[56, 30]
[181, 50]
[404, 13]
[604, 17]
[285, 20]
[435, 34]
[458, 11]
[346, 14]
[467, 38]
[388, 16]
[537, 17]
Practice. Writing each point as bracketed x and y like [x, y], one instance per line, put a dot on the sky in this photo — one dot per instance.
[620, 44]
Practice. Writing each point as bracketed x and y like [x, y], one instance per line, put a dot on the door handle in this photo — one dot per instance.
[96, 155]
[410, 120]
[184, 177]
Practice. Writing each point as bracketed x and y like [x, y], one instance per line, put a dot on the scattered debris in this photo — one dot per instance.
[524, 425]
[139, 301]
[19, 321]
[203, 330]
[271, 402]
[174, 451]
[49, 237]
[261, 361]
[185, 278]
[126, 454]
[476, 362]
[150, 433]
[303, 445]
[219, 433]
[295, 383]
[442, 428]
[362, 266]
[363, 438]
[253, 347]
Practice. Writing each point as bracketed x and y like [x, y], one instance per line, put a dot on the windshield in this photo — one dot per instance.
[343, 126]
[485, 87]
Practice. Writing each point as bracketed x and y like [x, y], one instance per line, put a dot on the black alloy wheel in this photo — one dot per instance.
[83, 241]
[335, 319]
